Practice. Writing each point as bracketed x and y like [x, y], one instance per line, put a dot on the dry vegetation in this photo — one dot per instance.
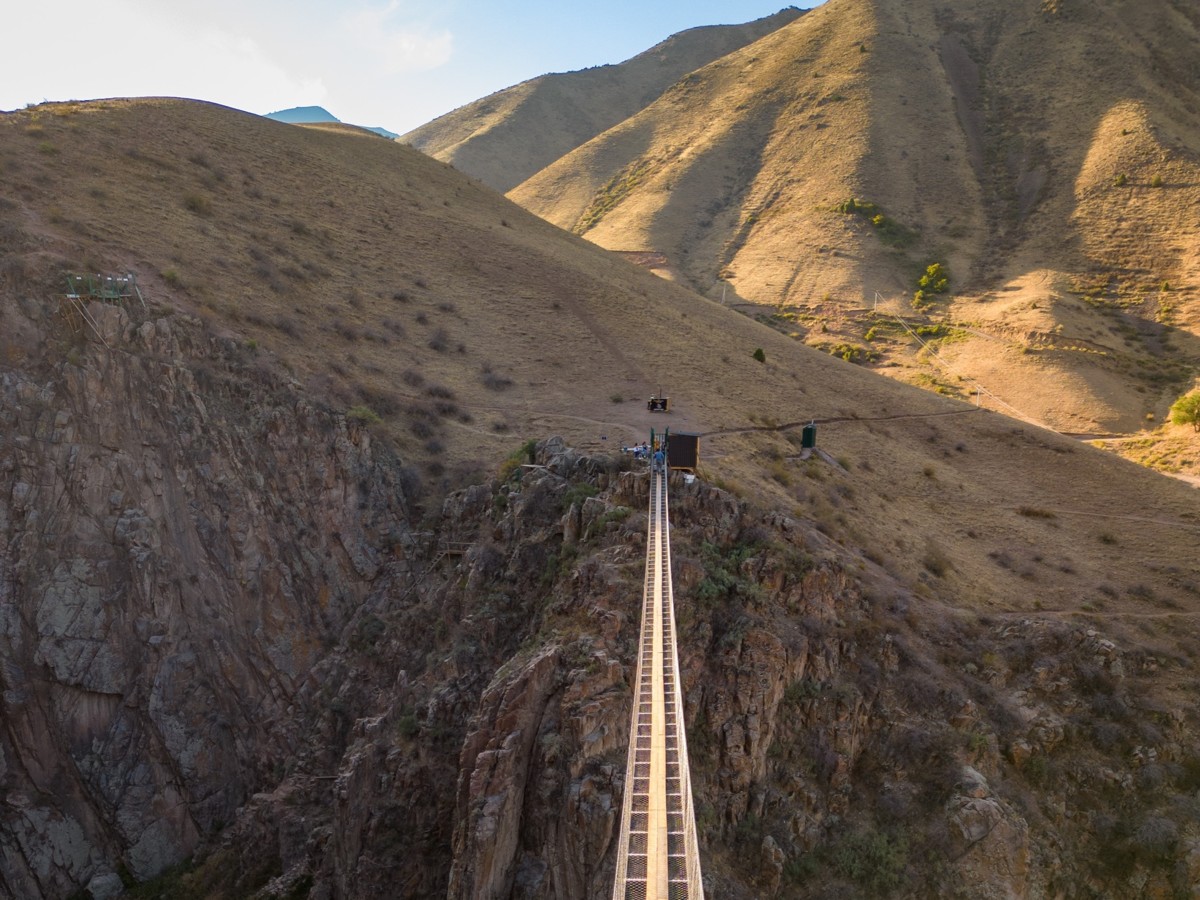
[394, 288]
[1046, 154]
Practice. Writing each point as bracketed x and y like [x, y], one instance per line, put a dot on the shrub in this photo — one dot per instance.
[874, 860]
[198, 204]
[363, 414]
[286, 325]
[936, 279]
[1186, 411]
[577, 493]
[527, 452]
[1120, 180]
[1156, 181]
[1156, 838]
[849, 352]
[859, 207]
[723, 574]
[759, 355]
[889, 230]
[493, 381]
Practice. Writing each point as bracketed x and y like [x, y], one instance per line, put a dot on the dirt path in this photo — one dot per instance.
[1193, 480]
[1167, 523]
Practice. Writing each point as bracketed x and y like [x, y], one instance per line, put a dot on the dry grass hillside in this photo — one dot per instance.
[512, 134]
[1045, 153]
[394, 290]
[391, 286]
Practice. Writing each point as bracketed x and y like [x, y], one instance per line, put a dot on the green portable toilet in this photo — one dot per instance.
[808, 437]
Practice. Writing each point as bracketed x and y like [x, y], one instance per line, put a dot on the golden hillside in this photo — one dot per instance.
[390, 285]
[512, 134]
[1046, 153]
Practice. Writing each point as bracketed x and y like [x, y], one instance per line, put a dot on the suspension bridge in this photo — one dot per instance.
[657, 856]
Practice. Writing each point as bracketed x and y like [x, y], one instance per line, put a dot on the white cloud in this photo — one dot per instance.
[362, 59]
[123, 48]
[394, 44]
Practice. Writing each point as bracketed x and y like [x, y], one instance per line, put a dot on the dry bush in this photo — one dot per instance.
[492, 380]
[287, 326]
[198, 204]
[384, 403]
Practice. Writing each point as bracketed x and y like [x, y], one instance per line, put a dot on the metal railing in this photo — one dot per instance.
[657, 853]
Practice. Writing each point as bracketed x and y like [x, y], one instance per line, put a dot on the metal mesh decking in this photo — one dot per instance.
[657, 856]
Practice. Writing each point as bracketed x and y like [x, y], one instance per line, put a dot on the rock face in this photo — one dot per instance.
[180, 538]
[221, 637]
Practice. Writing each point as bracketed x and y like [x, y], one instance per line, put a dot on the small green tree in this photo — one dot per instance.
[759, 355]
[363, 414]
[1186, 411]
[935, 280]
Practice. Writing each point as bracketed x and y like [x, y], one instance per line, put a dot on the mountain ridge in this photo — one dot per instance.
[1055, 183]
[319, 115]
[566, 109]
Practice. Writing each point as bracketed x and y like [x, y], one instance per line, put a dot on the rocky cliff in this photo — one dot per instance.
[844, 740]
[182, 538]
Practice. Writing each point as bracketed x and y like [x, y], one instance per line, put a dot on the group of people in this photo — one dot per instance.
[639, 451]
[658, 458]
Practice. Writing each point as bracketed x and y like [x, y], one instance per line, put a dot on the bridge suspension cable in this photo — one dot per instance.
[657, 854]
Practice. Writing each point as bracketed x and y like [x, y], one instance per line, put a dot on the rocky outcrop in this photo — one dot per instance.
[181, 537]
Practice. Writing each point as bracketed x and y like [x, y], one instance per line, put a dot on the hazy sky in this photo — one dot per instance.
[394, 63]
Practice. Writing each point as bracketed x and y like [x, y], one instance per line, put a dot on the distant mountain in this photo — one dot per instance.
[319, 115]
[507, 137]
[303, 115]
[383, 132]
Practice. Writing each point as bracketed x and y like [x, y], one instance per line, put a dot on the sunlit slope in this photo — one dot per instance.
[504, 138]
[390, 285]
[1018, 144]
